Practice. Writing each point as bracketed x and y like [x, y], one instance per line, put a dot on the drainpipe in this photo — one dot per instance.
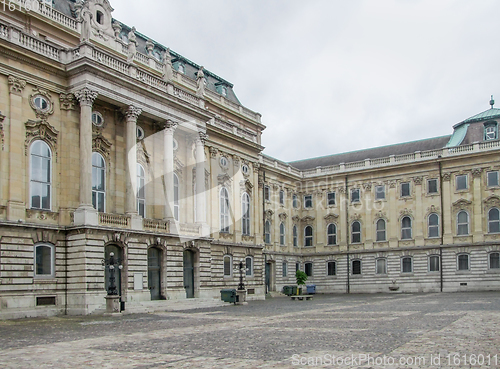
[347, 234]
[441, 224]
[264, 226]
[66, 274]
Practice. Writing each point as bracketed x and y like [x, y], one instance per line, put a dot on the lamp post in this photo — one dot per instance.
[112, 298]
[241, 286]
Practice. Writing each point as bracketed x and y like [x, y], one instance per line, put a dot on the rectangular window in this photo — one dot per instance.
[331, 268]
[356, 267]
[308, 201]
[492, 179]
[295, 202]
[331, 198]
[495, 260]
[297, 266]
[379, 192]
[282, 197]
[284, 269]
[267, 193]
[227, 266]
[249, 266]
[434, 263]
[308, 269]
[405, 189]
[463, 262]
[461, 182]
[355, 195]
[381, 266]
[406, 266]
[432, 186]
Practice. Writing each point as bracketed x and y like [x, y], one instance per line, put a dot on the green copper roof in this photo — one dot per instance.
[485, 115]
[458, 136]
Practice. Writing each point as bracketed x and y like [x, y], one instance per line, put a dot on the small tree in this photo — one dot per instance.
[301, 278]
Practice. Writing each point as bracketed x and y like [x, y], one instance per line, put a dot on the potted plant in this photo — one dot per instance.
[301, 278]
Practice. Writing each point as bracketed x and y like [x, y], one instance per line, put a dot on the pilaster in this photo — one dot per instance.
[478, 234]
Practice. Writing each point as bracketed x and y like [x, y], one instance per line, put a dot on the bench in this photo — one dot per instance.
[301, 297]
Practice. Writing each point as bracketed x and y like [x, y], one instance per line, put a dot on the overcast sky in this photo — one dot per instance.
[331, 76]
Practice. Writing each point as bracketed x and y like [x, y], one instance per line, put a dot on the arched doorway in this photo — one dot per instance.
[118, 254]
[189, 258]
[154, 272]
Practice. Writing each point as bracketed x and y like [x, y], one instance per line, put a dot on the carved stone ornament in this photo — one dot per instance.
[367, 186]
[213, 152]
[236, 161]
[2, 137]
[142, 153]
[86, 96]
[295, 219]
[67, 101]
[179, 166]
[446, 176]
[329, 218]
[256, 165]
[392, 184]
[203, 137]
[224, 180]
[41, 214]
[40, 130]
[41, 113]
[462, 204]
[476, 172]
[246, 186]
[355, 216]
[418, 180]
[406, 212]
[307, 219]
[132, 113]
[17, 85]
[269, 214]
[433, 209]
[380, 215]
[282, 216]
[170, 125]
[341, 189]
[491, 201]
[101, 145]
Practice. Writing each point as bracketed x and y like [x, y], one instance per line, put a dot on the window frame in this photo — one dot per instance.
[407, 228]
[282, 234]
[497, 221]
[488, 125]
[434, 226]
[497, 261]
[328, 263]
[331, 198]
[267, 193]
[458, 262]
[52, 256]
[408, 259]
[429, 186]
[358, 262]
[459, 176]
[377, 193]
[309, 265]
[463, 224]
[356, 232]
[308, 239]
[402, 189]
[97, 192]
[40, 183]
[249, 271]
[267, 232]
[141, 199]
[245, 214]
[330, 234]
[384, 263]
[295, 201]
[355, 199]
[430, 264]
[224, 210]
[230, 265]
[282, 197]
[295, 236]
[488, 184]
[284, 269]
[177, 208]
[378, 231]
[308, 202]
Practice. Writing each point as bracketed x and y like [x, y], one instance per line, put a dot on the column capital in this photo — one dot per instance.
[132, 113]
[86, 96]
[170, 125]
[203, 137]
[17, 85]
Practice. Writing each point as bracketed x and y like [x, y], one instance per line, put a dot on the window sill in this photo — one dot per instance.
[44, 280]
[493, 271]
[462, 271]
[407, 274]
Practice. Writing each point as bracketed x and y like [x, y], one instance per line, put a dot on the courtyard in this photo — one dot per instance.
[451, 330]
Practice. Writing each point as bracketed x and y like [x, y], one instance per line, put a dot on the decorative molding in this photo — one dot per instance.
[269, 215]
[236, 160]
[41, 130]
[41, 113]
[2, 137]
[17, 85]
[226, 235]
[101, 145]
[446, 176]
[132, 113]
[203, 137]
[380, 215]
[329, 218]
[367, 186]
[67, 101]
[355, 216]
[282, 216]
[86, 96]
[462, 204]
[246, 186]
[247, 238]
[392, 184]
[307, 219]
[170, 125]
[491, 201]
[406, 212]
[142, 152]
[213, 152]
[477, 172]
[295, 219]
[418, 180]
[41, 214]
[433, 209]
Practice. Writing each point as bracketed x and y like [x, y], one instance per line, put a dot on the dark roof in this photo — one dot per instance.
[373, 153]
[66, 7]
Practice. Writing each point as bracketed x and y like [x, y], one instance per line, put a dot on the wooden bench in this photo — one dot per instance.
[301, 297]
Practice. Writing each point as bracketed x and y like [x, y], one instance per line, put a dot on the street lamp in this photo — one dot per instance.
[241, 286]
[112, 263]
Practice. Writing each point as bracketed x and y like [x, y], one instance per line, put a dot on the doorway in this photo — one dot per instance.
[189, 273]
[154, 272]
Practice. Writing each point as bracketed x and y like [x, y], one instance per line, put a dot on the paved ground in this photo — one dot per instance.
[459, 330]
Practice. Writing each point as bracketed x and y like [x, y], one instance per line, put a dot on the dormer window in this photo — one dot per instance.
[490, 131]
[181, 68]
[157, 54]
[124, 37]
[224, 91]
[99, 17]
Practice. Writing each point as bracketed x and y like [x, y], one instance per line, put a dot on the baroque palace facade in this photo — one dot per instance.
[113, 143]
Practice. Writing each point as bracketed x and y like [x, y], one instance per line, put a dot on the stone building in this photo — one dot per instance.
[113, 143]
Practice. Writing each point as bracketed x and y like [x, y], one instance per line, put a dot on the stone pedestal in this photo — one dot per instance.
[112, 305]
[242, 297]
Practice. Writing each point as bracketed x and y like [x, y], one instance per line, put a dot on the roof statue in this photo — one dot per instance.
[200, 82]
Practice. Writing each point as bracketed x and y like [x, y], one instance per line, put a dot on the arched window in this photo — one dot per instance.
[493, 221]
[406, 228]
[433, 224]
[224, 210]
[228, 265]
[462, 223]
[381, 234]
[381, 266]
[434, 263]
[44, 260]
[98, 182]
[308, 236]
[245, 218]
[406, 264]
[249, 266]
[331, 234]
[282, 234]
[356, 267]
[490, 131]
[463, 262]
[494, 260]
[308, 269]
[267, 232]
[141, 191]
[295, 236]
[356, 232]
[40, 176]
[176, 198]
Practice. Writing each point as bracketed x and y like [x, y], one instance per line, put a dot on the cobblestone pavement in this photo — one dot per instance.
[459, 330]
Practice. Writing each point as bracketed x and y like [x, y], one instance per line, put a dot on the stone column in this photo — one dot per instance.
[478, 217]
[16, 206]
[448, 218]
[131, 115]
[201, 214]
[168, 169]
[420, 220]
[86, 214]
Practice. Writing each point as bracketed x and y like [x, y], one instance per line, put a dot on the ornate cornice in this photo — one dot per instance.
[86, 96]
[17, 85]
[462, 204]
[101, 144]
